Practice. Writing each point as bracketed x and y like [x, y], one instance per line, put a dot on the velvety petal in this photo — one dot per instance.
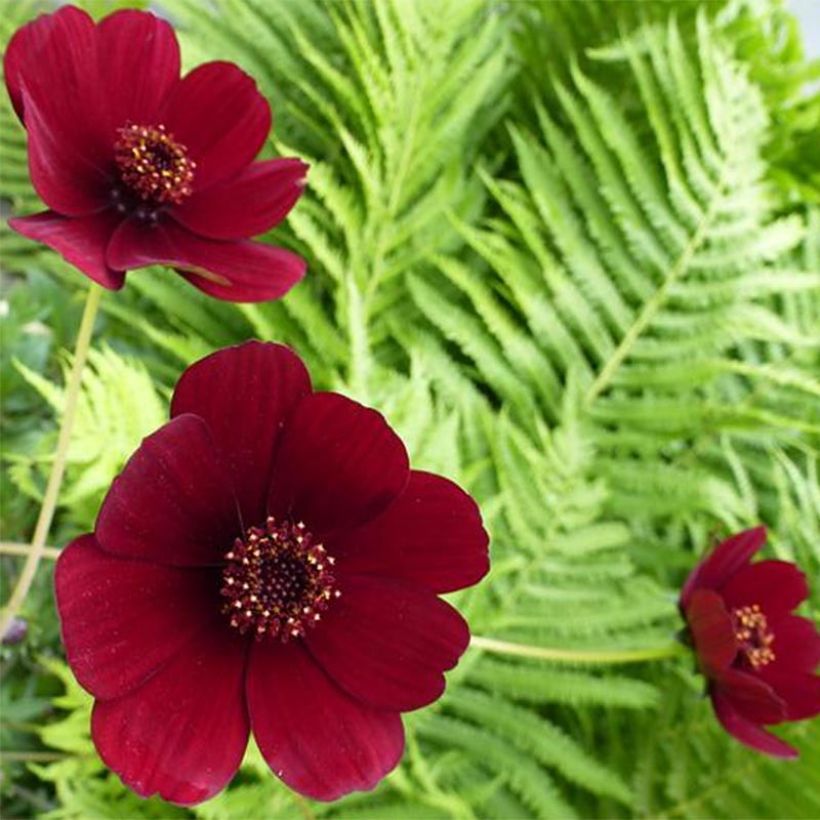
[249, 204]
[15, 59]
[388, 642]
[712, 631]
[139, 54]
[29, 45]
[81, 241]
[123, 620]
[340, 465]
[173, 502]
[217, 112]
[776, 586]
[748, 733]
[751, 697]
[55, 76]
[796, 645]
[246, 394]
[183, 733]
[723, 562]
[66, 181]
[431, 535]
[239, 271]
[315, 737]
[800, 692]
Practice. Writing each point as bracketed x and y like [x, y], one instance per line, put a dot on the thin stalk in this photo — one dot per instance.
[578, 656]
[12, 548]
[55, 479]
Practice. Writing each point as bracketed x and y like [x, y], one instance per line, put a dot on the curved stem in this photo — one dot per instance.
[55, 479]
[578, 656]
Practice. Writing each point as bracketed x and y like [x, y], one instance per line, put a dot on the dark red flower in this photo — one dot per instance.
[139, 167]
[267, 562]
[758, 657]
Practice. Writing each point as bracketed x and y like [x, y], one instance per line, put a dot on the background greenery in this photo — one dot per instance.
[572, 251]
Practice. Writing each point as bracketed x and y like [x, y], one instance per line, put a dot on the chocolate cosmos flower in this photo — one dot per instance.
[140, 167]
[758, 656]
[266, 562]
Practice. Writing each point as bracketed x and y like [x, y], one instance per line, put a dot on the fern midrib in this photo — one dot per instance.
[653, 305]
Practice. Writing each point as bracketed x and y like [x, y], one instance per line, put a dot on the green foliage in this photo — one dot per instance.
[117, 407]
[569, 250]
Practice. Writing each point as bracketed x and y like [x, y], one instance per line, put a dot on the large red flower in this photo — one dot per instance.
[267, 562]
[758, 657]
[139, 167]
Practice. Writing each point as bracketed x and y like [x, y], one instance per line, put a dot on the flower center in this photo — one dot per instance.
[277, 581]
[153, 167]
[753, 635]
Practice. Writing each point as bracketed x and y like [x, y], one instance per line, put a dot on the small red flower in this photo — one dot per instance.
[266, 562]
[140, 167]
[758, 657]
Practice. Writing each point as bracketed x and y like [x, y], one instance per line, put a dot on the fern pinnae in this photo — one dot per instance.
[539, 738]
[518, 347]
[546, 179]
[621, 264]
[524, 778]
[539, 684]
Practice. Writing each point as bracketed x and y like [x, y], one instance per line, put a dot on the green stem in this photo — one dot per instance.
[55, 479]
[578, 656]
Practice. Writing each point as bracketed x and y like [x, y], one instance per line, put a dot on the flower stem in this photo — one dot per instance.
[578, 656]
[55, 479]
[12, 548]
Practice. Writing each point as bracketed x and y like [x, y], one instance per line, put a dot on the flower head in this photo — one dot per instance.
[758, 656]
[266, 562]
[139, 166]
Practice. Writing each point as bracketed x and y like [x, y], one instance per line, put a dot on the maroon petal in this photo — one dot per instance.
[799, 690]
[240, 271]
[54, 75]
[247, 395]
[173, 501]
[68, 182]
[748, 733]
[81, 241]
[217, 112]
[723, 562]
[184, 732]
[751, 697]
[18, 51]
[250, 204]
[340, 465]
[776, 586]
[431, 535]
[123, 620]
[796, 645]
[317, 739]
[66, 34]
[712, 631]
[139, 54]
[15, 60]
[388, 643]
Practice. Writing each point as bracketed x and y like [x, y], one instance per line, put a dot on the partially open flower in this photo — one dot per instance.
[758, 657]
[267, 562]
[139, 167]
